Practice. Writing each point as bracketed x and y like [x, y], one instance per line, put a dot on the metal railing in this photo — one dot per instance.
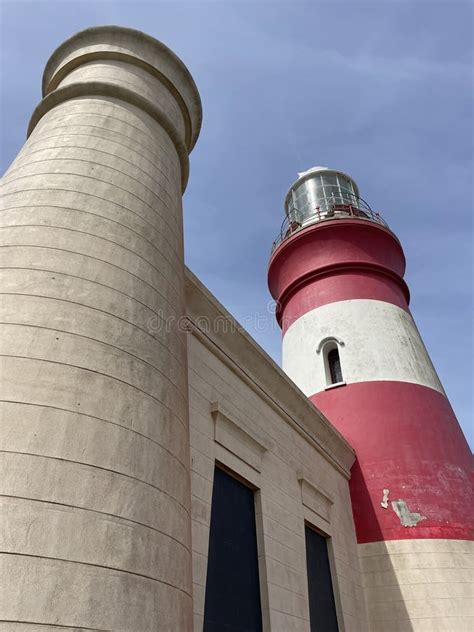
[334, 208]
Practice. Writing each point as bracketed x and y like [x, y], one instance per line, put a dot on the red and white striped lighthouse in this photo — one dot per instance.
[352, 346]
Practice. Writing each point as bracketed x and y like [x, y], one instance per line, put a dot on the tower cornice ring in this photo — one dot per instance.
[104, 89]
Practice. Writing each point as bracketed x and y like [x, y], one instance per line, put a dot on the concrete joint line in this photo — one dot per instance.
[104, 89]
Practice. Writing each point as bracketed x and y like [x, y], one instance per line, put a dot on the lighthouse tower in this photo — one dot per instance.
[352, 346]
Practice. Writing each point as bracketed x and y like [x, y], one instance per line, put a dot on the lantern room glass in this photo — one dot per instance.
[319, 192]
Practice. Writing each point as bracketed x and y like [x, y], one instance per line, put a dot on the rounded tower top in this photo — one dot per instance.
[319, 194]
[118, 44]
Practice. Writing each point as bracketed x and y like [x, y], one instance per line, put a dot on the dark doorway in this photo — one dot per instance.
[322, 609]
[232, 587]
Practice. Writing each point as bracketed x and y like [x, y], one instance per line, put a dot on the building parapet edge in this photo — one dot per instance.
[241, 353]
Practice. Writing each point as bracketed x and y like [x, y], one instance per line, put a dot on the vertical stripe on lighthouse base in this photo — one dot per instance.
[379, 341]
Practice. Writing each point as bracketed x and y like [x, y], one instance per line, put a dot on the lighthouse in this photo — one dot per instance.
[351, 345]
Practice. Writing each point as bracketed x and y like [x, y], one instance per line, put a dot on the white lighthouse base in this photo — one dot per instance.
[419, 585]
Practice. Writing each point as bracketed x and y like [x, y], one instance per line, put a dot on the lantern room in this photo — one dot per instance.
[323, 194]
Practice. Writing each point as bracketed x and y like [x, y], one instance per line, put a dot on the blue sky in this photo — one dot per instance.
[380, 90]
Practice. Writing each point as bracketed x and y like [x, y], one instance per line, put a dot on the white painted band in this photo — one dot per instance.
[381, 342]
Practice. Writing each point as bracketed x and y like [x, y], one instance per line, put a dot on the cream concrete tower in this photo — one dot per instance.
[95, 463]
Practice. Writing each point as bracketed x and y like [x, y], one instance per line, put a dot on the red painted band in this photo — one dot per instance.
[407, 440]
[315, 260]
[340, 286]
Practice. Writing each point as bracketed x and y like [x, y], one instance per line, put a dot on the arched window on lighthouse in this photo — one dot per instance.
[334, 366]
[329, 350]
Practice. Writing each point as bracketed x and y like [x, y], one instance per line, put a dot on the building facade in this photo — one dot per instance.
[159, 471]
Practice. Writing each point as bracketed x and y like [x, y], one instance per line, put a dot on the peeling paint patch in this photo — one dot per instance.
[384, 502]
[407, 518]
